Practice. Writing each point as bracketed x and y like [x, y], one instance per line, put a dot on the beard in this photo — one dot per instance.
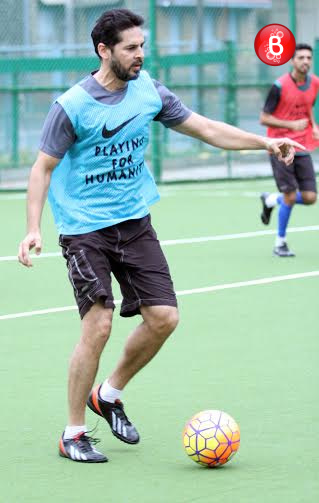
[122, 73]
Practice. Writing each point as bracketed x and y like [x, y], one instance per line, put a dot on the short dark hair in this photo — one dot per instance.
[110, 24]
[300, 47]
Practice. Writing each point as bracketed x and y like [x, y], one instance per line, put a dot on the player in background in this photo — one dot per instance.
[288, 111]
[91, 160]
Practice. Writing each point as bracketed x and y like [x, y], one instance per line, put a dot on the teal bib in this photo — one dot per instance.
[103, 178]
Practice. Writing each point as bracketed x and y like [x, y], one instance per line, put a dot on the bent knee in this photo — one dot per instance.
[172, 320]
[103, 327]
[165, 321]
[97, 324]
[309, 197]
[290, 198]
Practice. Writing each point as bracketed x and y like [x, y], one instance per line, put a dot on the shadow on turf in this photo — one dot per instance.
[195, 466]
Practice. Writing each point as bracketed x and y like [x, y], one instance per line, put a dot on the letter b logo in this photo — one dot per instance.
[275, 44]
[275, 40]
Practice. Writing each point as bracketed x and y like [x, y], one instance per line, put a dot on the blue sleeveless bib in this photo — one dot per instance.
[103, 178]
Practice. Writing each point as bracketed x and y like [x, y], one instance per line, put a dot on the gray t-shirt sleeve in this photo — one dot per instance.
[57, 133]
[173, 111]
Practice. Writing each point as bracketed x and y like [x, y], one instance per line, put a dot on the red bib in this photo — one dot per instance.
[295, 103]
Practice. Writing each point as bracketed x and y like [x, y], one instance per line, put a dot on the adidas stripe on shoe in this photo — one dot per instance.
[114, 414]
[80, 448]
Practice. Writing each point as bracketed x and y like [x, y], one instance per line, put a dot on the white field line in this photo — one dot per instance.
[215, 288]
[225, 237]
[232, 184]
[189, 187]
[168, 192]
[204, 192]
[204, 239]
[213, 194]
[12, 197]
[10, 258]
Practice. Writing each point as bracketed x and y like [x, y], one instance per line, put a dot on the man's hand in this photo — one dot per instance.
[315, 131]
[299, 124]
[32, 240]
[283, 149]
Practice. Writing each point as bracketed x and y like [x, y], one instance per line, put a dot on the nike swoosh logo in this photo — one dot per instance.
[108, 133]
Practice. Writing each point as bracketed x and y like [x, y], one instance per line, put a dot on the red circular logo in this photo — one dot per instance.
[275, 44]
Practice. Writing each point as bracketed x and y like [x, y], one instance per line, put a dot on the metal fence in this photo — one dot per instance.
[202, 51]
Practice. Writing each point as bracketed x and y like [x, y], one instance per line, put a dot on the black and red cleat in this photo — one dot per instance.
[80, 448]
[114, 414]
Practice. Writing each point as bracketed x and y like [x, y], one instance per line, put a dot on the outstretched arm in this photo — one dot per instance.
[222, 135]
[39, 182]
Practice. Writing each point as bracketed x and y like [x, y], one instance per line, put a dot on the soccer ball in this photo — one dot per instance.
[211, 438]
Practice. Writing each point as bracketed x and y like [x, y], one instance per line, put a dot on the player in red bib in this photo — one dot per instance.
[288, 111]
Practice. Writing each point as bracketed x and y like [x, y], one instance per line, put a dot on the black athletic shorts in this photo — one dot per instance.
[131, 251]
[298, 175]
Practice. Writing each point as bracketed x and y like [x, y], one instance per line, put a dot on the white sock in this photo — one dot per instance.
[72, 431]
[108, 393]
[271, 200]
[280, 241]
